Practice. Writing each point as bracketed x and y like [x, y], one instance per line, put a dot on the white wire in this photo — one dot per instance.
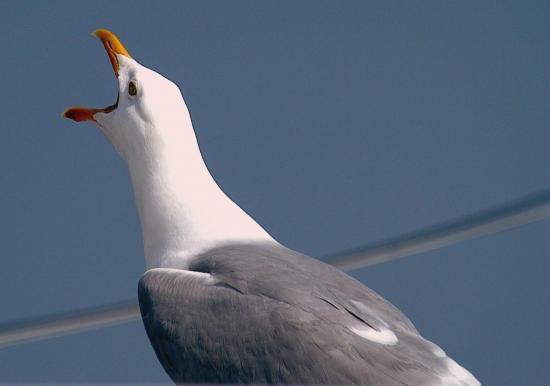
[50, 326]
[512, 215]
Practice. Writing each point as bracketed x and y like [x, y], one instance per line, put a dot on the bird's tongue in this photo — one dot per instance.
[114, 47]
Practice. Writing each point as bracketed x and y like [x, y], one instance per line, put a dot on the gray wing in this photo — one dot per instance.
[266, 314]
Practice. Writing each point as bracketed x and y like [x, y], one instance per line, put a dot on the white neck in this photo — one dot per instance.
[181, 208]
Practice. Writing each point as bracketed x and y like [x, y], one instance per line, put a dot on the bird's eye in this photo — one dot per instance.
[132, 89]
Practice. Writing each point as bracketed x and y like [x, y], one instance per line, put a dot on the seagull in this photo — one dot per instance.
[221, 300]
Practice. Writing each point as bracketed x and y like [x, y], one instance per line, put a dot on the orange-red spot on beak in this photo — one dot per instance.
[80, 114]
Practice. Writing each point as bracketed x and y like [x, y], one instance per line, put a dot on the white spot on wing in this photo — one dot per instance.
[384, 336]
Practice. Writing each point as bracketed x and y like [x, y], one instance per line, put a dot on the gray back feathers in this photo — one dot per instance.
[266, 314]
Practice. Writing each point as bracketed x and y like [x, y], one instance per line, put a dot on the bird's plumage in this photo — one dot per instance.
[264, 313]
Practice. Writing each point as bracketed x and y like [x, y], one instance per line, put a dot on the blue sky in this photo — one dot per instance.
[333, 124]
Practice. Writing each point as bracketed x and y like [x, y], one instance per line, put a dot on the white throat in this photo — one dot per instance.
[182, 210]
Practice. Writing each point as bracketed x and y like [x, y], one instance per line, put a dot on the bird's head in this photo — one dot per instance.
[147, 108]
[181, 208]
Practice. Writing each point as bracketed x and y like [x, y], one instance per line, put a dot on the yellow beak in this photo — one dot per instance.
[113, 46]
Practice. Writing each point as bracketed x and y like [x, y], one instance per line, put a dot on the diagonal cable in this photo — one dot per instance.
[71, 322]
[526, 210]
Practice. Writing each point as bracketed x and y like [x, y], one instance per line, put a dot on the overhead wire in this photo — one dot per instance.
[514, 214]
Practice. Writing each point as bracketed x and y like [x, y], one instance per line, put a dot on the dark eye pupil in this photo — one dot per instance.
[132, 90]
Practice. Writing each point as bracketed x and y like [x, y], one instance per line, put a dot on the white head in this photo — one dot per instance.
[149, 108]
[182, 210]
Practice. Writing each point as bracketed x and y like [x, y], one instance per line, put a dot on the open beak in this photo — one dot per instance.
[113, 46]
